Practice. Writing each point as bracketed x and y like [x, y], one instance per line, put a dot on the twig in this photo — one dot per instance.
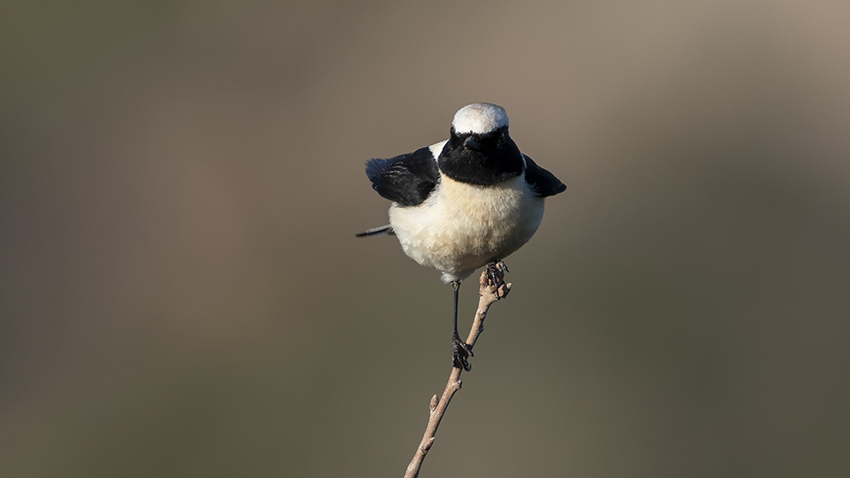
[488, 294]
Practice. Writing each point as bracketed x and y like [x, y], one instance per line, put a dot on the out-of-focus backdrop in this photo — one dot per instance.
[182, 294]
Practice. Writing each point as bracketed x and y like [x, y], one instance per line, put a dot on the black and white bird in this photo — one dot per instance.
[463, 203]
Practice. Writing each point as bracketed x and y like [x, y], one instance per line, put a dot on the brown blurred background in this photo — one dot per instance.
[182, 294]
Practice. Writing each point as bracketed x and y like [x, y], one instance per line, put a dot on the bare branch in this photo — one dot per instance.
[492, 288]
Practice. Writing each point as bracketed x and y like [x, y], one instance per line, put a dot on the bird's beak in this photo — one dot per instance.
[472, 144]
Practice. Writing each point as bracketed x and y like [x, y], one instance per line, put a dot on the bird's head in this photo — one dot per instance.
[480, 151]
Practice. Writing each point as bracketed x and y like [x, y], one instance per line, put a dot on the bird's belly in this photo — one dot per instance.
[462, 227]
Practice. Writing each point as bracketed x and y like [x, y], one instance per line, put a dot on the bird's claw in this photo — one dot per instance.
[496, 277]
[461, 351]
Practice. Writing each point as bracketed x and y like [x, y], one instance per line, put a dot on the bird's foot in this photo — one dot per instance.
[461, 351]
[496, 277]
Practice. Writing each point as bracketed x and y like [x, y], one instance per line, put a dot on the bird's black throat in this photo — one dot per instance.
[481, 159]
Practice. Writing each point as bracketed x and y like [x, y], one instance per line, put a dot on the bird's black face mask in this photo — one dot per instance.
[481, 159]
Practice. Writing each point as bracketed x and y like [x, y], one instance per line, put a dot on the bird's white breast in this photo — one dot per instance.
[462, 227]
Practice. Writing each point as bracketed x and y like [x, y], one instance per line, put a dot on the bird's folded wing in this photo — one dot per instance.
[407, 179]
[541, 181]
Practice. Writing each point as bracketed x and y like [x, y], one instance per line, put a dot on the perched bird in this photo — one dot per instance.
[463, 203]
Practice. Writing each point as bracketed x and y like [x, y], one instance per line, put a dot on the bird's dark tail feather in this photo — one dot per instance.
[377, 231]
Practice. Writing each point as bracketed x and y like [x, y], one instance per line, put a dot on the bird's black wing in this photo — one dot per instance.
[407, 179]
[542, 182]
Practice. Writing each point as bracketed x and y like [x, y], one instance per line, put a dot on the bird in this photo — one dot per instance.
[463, 203]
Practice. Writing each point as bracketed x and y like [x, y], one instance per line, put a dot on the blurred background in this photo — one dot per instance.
[182, 294]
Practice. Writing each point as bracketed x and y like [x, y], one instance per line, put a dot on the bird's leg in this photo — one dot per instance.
[460, 349]
[496, 276]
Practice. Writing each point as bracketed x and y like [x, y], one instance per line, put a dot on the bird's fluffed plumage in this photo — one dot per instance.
[467, 201]
[462, 227]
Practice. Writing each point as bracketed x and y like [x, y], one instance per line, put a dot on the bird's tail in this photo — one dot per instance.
[377, 231]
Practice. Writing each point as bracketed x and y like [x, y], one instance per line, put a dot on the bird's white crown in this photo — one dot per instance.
[480, 118]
